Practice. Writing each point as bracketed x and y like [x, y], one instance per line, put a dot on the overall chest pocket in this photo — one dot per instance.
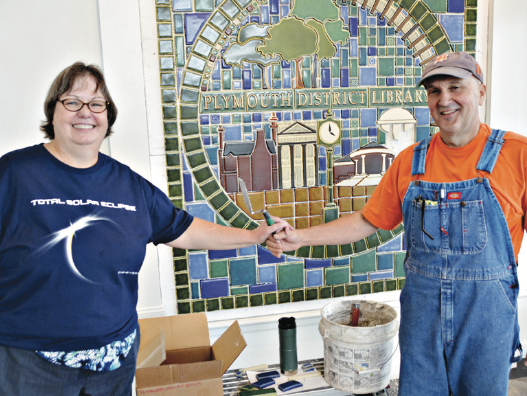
[454, 228]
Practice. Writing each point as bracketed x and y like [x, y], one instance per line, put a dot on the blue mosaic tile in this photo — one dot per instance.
[201, 210]
[310, 263]
[248, 251]
[391, 246]
[220, 254]
[267, 287]
[381, 275]
[194, 286]
[198, 266]
[454, 26]
[384, 262]
[267, 274]
[314, 278]
[214, 288]
[359, 278]
[265, 257]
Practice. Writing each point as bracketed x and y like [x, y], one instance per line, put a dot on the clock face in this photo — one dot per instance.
[329, 132]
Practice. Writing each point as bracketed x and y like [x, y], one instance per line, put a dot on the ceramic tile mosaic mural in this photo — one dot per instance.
[308, 102]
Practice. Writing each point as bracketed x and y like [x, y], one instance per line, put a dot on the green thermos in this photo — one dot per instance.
[287, 335]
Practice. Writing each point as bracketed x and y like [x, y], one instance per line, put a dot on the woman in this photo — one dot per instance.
[74, 225]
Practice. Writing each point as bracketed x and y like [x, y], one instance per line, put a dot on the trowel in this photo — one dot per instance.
[245, 194]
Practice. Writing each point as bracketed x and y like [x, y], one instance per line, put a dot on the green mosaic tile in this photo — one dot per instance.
[373, 241]
[174, 175]
[242, 301]
[178, 203]
[219, 200]
[365, 288]
[352, 289]
[210, 187]
[167, 79]
[196, 63]
[471, 15]
[197, 159]
[182, 293]
[189, 95]
[418, 11]
[239, 290]
[219, 21]
[229, 211]
[325, 292]
[241, 220]
[175, 190]
[210, 34]
[318, 252]
[471, 3]
[213, 305]
[177, 252]
[183, 308]
[180, 265]
[363, 36]
[173, 159]
[188, 112]
[182, 279]
[385, 235]
[386, 67]
[230, 9]
[378, 286]
[399, 229]
[169, 112]
[192, 80]
[284, 297]
[163, 14]
[360, 246]
[470, 45]
[168, 95]
[400, 283]
[298, 295]
[164, 30]
[399, 264]
[407, 4]
[290, 276]
[311, 294]
[226, 80]
[202, 174]
[270, 298]
[256, 300]
[219, 268]
[363, 262]
[442, 47]
[180, 51]
[304, 251]
[436, 5]
[171, 144]
[428, 22]
[192, 144]
[227, 303]
[332, 251]
[346, 250]
[435, 34]
[198, 306]
[166, 63]
[391, 284]
[204, 5]
[178, 24]
[339, 291]
[337, 275]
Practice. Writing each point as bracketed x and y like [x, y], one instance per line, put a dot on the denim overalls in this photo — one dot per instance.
[459, 321]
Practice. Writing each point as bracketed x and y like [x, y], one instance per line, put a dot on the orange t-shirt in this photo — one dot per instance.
[445, 164]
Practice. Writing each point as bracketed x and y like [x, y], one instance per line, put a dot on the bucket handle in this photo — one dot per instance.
[380, 367]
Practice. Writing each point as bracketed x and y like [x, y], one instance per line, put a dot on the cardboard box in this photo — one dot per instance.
[175, 356]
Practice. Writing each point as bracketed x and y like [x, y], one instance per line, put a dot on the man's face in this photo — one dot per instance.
[454, 104]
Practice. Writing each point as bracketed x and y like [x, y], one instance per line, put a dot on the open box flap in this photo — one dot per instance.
[181, 331]
[229, 346]
[153, 353]
[156, 376]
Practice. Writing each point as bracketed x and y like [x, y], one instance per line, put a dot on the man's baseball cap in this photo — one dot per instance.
[456, 64]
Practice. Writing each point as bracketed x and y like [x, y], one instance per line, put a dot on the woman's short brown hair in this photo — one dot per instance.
[64, 82]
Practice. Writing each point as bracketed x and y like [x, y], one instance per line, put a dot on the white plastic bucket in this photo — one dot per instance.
[358, 359]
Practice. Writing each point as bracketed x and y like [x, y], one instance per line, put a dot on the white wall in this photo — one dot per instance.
[38, 39]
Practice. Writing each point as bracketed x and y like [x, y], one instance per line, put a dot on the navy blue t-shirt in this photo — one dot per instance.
[72, 242]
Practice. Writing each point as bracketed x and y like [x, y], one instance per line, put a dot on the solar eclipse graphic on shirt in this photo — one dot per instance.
[67, 234]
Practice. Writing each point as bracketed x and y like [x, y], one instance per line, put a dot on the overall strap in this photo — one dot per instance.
[491, 151]
[418, 162]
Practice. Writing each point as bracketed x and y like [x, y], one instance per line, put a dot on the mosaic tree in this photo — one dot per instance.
[312, 28]
[244, 50]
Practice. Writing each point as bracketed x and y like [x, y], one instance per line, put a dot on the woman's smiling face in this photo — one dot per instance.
[83, 127]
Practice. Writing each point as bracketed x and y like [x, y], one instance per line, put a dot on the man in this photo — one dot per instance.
[462, 197]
